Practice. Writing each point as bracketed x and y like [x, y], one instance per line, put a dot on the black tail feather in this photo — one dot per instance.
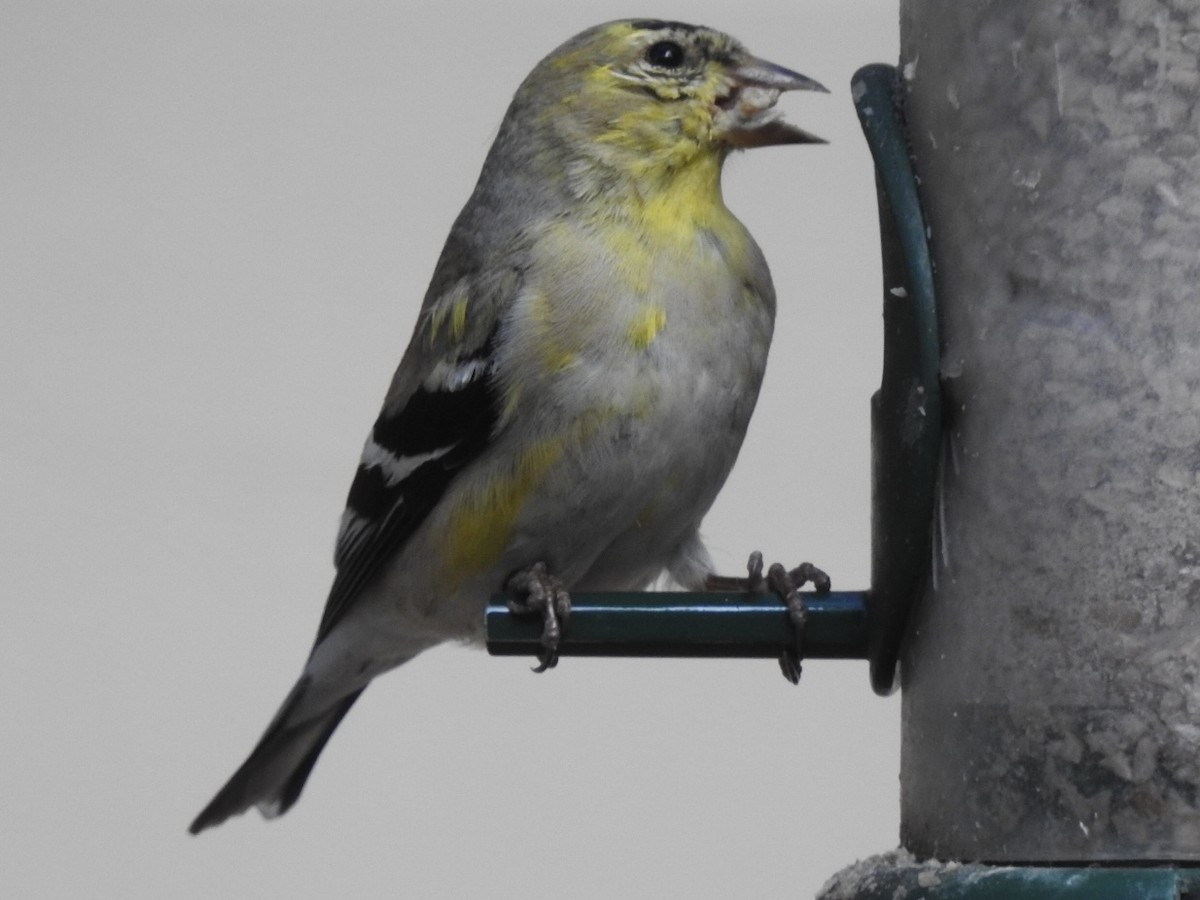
[295, 784]
[274, 774]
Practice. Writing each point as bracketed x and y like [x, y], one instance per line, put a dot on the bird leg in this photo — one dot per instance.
[540, 592]
[786, 585]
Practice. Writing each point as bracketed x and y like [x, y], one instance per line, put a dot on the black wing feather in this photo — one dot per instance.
[461, 419]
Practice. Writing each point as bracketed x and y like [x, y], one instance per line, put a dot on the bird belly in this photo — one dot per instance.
[671, 422]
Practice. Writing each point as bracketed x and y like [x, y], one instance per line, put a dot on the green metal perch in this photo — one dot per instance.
[729, 624]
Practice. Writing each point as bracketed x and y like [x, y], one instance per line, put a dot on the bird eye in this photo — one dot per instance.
[665, 55]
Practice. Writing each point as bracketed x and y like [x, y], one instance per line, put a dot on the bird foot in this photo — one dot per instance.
[784, 583]
[541, 593]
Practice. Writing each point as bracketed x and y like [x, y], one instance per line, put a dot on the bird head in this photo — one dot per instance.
[647, 97]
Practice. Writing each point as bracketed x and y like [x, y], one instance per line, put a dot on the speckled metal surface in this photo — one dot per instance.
[1052, 679]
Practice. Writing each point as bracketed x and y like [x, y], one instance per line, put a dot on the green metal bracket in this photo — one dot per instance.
[906, 412]
[981, 882]
[906, 424]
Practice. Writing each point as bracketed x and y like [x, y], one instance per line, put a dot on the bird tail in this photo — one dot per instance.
[273, 776]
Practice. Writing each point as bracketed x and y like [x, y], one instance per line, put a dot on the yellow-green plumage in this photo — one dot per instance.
[580, 378]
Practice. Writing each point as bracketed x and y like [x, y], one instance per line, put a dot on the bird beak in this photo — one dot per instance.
[747, 116]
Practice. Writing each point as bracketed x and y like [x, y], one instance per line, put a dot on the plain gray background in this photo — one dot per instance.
[216, 224]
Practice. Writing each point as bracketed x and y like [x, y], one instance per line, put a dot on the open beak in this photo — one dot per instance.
[747, 116]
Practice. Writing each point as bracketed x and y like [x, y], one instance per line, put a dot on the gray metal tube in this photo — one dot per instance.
[1052, 679]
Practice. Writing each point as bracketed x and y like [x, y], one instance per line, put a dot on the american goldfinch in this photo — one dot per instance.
[579, 380]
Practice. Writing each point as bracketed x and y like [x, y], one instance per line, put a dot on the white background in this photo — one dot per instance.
[216, 224]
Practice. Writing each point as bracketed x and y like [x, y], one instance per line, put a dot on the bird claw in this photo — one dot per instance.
[784, 583]
[541, 592]
[754, 566]
[781, 583]
[789, 665]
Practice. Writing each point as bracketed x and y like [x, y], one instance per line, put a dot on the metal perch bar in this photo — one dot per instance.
[711, 624]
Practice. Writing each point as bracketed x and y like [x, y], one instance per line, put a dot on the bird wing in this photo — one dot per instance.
[440, 414]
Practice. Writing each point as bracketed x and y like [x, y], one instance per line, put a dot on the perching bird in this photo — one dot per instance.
[579, 381]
